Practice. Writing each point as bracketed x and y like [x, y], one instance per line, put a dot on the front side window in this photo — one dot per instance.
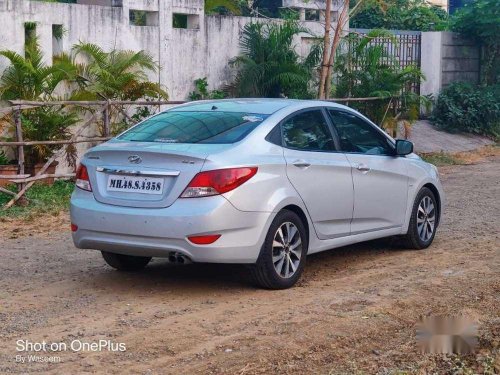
[195, 127]
[358, 136]
[308, 131]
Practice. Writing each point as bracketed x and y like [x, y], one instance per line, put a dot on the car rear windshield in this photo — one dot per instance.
[195, 127]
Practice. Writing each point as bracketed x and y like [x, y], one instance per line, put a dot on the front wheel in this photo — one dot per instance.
[283, 255]
[125, 262]
[424, 220]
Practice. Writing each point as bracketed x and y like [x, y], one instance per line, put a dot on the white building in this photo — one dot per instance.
[200, 45]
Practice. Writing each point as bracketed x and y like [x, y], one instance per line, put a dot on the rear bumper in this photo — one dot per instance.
[159, 231]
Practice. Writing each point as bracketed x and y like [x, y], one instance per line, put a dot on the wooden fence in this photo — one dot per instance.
[25, 181]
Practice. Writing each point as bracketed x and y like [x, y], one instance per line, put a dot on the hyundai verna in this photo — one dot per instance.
[257, 181]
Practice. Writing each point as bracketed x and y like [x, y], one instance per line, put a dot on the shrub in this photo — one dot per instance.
[3, 158]
[201, 91]
[462, 107]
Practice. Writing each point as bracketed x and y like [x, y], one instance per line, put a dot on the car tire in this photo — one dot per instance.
[282, 259]
[424, 220]
[125, 262]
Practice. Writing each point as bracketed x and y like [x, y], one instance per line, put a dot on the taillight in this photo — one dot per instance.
[82, 178]
[218, 181]
[74, 227]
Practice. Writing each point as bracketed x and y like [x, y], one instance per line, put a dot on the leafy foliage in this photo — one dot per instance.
[401, 15]
[480, 20]
[269, 66]
[367, 70]
[28, 77]
[47, 124]
[201, 92]
[461, 107]
[118, 75]
[222, 7]
[4, 160]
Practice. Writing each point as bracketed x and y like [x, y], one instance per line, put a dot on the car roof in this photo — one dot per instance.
[265, 106]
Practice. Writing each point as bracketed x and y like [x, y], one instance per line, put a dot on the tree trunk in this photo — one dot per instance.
[326, 47]
[341, 22]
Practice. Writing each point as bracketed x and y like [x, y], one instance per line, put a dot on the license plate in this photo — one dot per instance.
[133, 184]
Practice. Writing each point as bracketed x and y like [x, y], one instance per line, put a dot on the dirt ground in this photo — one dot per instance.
[353, 312]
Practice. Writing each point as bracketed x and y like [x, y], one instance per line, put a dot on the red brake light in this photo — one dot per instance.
[204, 240]
[74, 227]
[218, 181]
[82, 178]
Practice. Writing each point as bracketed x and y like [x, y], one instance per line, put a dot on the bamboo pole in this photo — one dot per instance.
[43, 176]
[11, 176]
[7, 191]
[19, 138]
[94, 103]
[106, 119]
[57, 102]
[67, 142]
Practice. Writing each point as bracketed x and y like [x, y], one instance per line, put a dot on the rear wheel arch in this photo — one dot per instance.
[435, 191]
[301, 214]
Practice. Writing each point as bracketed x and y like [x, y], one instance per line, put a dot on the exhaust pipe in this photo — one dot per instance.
[178, 258]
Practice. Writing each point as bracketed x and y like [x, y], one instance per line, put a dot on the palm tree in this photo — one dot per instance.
[28, 77]
[117, 75]
[269, 66]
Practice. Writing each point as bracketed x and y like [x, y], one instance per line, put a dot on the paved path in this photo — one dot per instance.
[428, 138]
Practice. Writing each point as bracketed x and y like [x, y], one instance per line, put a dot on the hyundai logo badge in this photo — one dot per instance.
[135, 159]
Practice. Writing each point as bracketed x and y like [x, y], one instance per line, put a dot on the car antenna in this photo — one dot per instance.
[214, 108]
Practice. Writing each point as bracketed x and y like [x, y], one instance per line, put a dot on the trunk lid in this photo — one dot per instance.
[116, 168]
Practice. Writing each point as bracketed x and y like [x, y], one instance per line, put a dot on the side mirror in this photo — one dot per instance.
[403, 147]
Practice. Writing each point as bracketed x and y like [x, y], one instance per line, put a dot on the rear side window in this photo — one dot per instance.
[195, 127]
[308, 131]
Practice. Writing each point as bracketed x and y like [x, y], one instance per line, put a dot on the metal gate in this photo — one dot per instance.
[404, 52]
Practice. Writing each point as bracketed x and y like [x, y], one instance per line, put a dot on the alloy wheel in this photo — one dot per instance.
[426, 218]
[287, 250]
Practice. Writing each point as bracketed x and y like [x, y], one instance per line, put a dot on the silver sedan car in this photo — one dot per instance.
[263, 182]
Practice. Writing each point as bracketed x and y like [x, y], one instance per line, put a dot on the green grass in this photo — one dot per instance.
[440, 158]
[41, 199]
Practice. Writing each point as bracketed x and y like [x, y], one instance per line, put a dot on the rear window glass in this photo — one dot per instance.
[195, 127]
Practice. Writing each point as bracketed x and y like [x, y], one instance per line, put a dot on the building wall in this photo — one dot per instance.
[447, 57]
[183, 54]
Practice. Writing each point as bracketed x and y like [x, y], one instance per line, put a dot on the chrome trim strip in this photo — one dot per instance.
[375, 230]
[138, 173]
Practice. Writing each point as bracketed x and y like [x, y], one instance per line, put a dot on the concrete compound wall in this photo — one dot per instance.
[183, 54]
[447, 57]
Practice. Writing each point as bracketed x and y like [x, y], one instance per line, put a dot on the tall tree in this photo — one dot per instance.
[330, 47]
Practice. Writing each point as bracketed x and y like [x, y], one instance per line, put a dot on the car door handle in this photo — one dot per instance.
[301, 164]
[363, 168]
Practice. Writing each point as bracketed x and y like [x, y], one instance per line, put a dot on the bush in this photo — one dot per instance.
[462, 107]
